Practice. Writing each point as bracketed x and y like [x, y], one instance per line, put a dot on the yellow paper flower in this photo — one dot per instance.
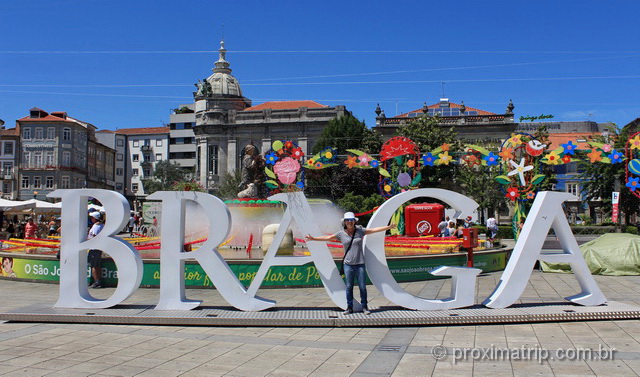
[515, 140]
[635, 142]
[445, 158]
[553, 158]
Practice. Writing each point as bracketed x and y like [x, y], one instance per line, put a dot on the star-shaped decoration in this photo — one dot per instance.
[351, 161]
[519, 169]
[595, 155]
[506, 154]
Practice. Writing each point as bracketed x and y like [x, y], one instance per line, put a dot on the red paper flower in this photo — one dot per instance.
[512, 194]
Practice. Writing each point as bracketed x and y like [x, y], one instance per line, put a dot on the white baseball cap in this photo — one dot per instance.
[96, 215]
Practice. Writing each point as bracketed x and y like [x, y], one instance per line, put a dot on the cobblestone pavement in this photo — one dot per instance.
[560, 349]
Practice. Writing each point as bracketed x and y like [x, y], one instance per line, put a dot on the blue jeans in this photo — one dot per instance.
[356, 271]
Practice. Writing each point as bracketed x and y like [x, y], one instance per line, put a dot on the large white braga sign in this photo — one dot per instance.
[545, 214]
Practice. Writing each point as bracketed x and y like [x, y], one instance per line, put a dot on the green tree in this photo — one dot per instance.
[428, 135]
[343, 133]
[600, 179]
[359, 204]
[478, 182]
[230, 186]
[165, 175]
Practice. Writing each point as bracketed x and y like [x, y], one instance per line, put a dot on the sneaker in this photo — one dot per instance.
[366, 310]
[96, 284]
[349, 310]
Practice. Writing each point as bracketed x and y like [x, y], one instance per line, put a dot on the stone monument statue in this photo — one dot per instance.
[252, 177]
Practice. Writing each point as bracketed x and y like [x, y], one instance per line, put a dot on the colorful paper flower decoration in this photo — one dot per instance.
[286, 173]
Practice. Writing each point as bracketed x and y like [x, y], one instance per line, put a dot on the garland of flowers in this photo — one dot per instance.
[520, 158]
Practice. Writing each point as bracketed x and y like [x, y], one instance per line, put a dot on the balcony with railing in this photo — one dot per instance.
[36, 166]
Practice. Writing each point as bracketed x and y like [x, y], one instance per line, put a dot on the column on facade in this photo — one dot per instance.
[232, 155]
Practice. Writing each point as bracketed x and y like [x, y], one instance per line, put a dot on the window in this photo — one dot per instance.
[51, 133]
[120, 143]
[8, 148]
[25, 182]
[49, 159]
[66, 158]
[134, 171]
[136, 143]
[26, 133]
[37, 182]
[7, 168]
[26, 158]
[65, 182]
[66, 134]
[147, 157]
[189, 140]
[38, 133]
[147, 172]
[213, 159]
[134, 187]
[574, 189]
[135, 157]
[147, 142]
[37, 159]
[49, 182]
[6, 188]
[119, 172]
[119, 157]
[158, 156]
[158, 143]
[119, 186]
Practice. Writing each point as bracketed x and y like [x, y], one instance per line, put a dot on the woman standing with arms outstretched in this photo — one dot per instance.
[351, 237]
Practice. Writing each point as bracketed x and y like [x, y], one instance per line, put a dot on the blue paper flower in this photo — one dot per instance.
[633, 183]
[428, 159]
[271, 158]
[615, 157]
[300, 185]
[569, 147]
[374, 163]
[491, 159]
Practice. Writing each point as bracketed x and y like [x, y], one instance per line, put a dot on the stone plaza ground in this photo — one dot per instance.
[32, 349]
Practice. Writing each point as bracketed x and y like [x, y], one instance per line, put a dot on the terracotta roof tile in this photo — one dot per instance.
[451, 105]
[143, 131]
[48, 118]
[283, 105]
[9, 132]
[557, 139]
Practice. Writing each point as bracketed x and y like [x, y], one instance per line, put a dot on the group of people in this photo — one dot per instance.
[448, 228]
[28, 228]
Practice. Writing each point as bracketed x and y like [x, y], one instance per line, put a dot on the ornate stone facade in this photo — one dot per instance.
[226, 123]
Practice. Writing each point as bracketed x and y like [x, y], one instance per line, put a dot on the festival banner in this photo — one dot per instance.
[403, 269]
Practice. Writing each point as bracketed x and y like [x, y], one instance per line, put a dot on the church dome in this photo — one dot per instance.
[222, 81]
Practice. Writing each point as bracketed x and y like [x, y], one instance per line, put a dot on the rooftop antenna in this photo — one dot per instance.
[222, 32]
[443, 84]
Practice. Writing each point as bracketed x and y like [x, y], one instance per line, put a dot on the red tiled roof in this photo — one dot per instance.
[9, 132]
[48, 118]
[105, 132]
[556, 140]
[143, 131]
[283, 105]
[451, 105]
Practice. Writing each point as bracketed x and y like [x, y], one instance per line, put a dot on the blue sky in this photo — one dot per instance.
[121, 64]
